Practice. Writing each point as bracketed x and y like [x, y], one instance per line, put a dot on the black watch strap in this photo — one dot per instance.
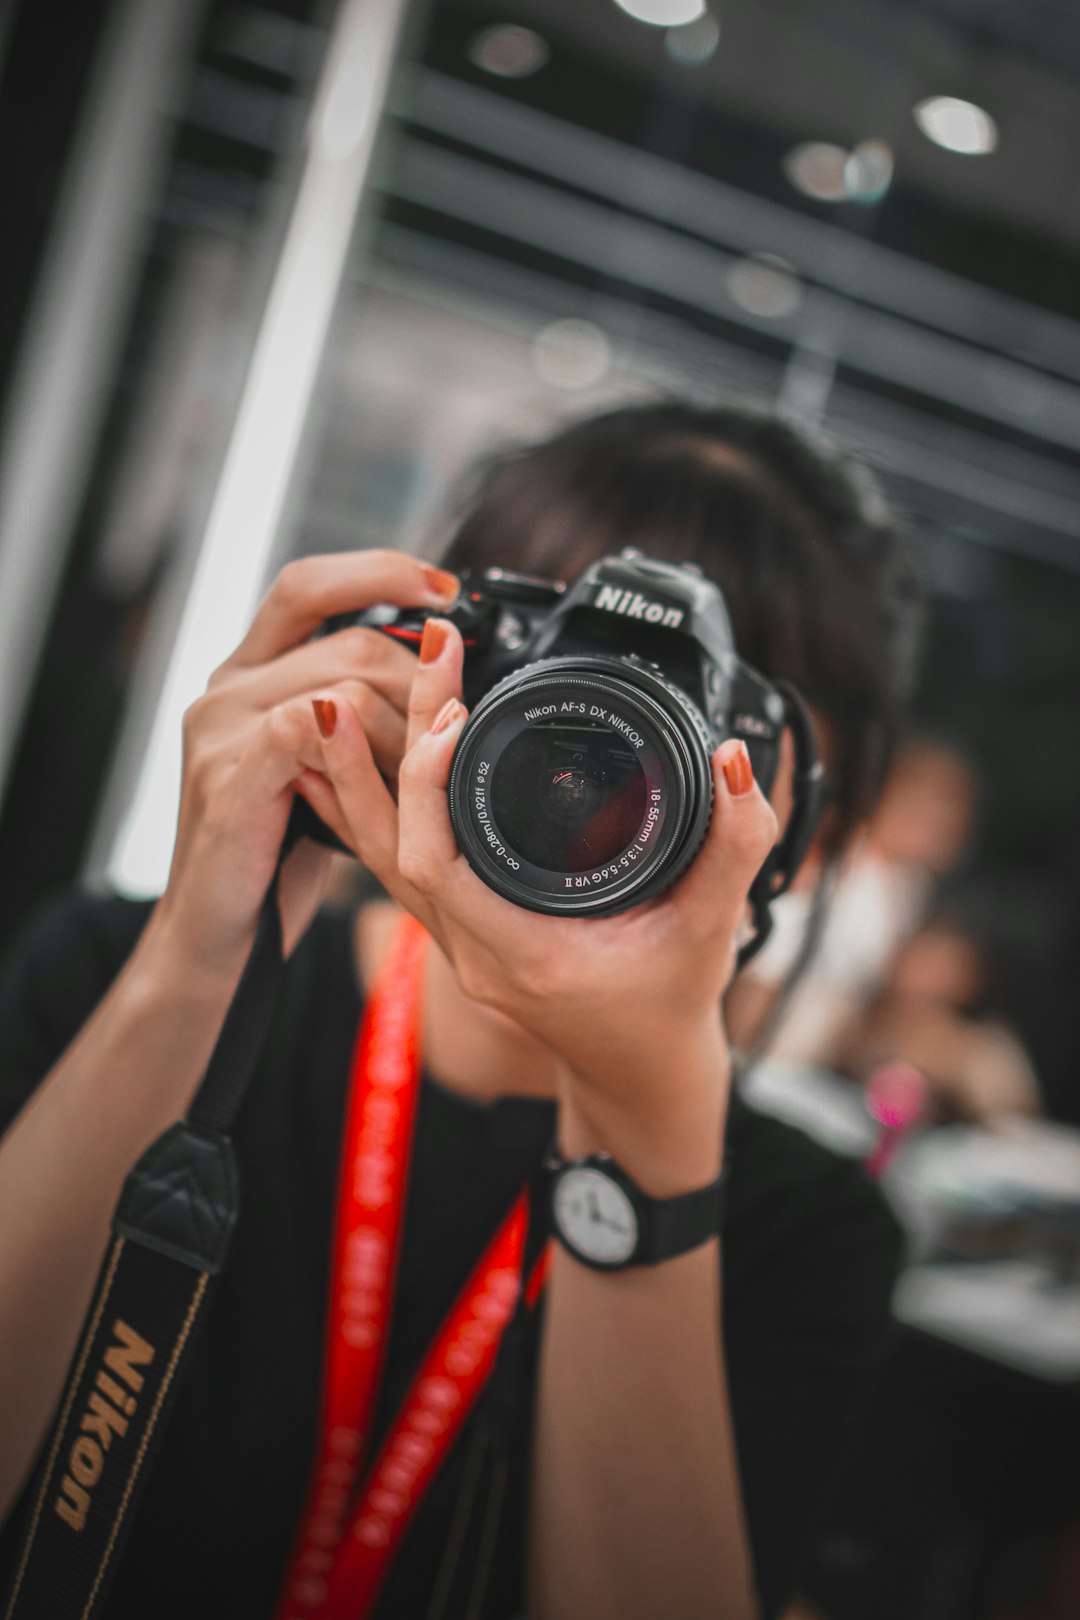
[673, 1226]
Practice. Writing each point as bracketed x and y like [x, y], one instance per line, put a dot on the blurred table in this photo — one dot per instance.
[963, 1470]
[1016, 1311]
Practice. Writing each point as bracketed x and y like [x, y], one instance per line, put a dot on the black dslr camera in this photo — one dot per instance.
[581, 783]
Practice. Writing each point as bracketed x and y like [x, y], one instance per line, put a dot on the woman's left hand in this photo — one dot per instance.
[630, 1002]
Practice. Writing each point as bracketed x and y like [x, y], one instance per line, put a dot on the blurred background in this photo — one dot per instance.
[275, 275]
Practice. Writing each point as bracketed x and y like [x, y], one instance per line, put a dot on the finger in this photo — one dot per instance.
[367, 809]
[436, 678]
[429, 860]
[383, 725]
[357, 653]
[288, 737]
[427, 849]
[282, 743]
[711, 898]
[311, 589]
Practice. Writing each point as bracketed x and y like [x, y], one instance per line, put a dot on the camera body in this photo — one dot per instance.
[582, 782]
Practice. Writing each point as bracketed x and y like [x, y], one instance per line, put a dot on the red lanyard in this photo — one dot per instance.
[342, 1555]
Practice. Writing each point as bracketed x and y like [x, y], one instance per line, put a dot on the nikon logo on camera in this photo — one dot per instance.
[106, 1419]
[632, 605]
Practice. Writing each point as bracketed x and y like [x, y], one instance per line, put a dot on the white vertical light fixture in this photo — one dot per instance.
[251, 493]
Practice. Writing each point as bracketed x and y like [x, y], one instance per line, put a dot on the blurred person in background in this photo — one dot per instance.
[938, 1011]
[686, 1417]
[870, 904]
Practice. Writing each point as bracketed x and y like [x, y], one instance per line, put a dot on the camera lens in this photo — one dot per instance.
[574, 794]
[581, 784]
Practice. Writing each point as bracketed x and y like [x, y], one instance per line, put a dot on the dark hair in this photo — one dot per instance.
[797, 536]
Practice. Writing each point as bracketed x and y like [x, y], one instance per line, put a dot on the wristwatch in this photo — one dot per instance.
[607, 1222]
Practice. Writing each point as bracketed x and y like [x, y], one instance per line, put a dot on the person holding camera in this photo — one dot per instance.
[430, 1411]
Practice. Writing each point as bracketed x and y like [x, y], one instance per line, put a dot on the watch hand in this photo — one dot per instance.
[594, 1210]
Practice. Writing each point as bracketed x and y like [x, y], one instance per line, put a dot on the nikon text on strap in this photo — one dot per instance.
[171, 1233]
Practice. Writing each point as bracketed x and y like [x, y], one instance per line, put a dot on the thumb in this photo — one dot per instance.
[742, 831]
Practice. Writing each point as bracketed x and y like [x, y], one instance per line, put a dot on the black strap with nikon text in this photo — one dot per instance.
[171, 1233]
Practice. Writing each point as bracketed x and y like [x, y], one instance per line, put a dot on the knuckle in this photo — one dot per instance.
[381, 559]
[475, 981]
[193, 727]
[755, 834]
[360, 645]
[411, 771]
[413, 867]
[363, 702]
[208, 784]
[767, 827]
[285, 728]
[542, 979]
[292, 586]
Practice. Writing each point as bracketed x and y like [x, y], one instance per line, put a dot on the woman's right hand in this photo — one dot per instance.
[254, 730]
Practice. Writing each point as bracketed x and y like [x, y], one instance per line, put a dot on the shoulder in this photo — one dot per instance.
[73, 946]
[800, 1214]
[68, 956]
[53, 978]
[777, 1168]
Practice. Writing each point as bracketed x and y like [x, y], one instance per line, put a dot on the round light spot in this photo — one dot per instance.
[508, 51]
[765, 285]
[868, 171]
[959, 126]
[571, 354]
[694, 43]
[816, 168]
[663, 13]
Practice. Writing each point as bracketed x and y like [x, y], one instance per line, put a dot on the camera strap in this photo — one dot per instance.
[784, 860]
[170, 1236]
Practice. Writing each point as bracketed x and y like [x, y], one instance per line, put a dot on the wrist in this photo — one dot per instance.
[662, 1122]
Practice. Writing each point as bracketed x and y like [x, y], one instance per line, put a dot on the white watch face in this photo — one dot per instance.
[595, 1216]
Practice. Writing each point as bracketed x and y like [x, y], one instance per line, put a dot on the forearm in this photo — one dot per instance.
[131, 1071]
[636, 1502]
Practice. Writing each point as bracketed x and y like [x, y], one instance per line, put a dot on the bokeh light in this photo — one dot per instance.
[817, 169]
[765, 285]
[868, 171]
[663, 13]
[508, 51]
[959, 126]
[694, 43]
[571, 354]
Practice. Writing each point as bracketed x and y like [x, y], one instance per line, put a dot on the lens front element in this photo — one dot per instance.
[582, 785]
[572, 796]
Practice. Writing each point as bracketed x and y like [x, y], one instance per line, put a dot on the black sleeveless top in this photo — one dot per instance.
[809, 1256]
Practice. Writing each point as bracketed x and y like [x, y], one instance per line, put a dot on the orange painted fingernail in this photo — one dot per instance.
[738, 771]
[325, 715]
[434, 641]
[446, 715]
[440, 583]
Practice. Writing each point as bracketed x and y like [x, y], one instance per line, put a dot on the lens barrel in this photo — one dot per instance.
[582, 785]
